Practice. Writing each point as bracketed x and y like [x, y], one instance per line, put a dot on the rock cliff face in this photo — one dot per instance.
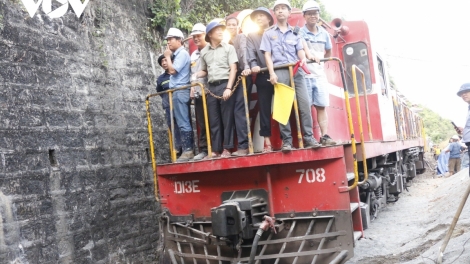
[75, 180]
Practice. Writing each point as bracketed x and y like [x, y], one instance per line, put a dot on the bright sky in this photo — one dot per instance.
[426, 42]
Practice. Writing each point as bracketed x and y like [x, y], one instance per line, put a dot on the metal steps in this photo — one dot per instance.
[357, 235]
[354, 206]
[350, 176]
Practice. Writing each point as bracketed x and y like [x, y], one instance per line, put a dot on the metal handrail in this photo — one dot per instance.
[397, 118]
[296, 109]
[172, 149]
[359, 119]
[366, 101]
[250, 143]
[247, 115]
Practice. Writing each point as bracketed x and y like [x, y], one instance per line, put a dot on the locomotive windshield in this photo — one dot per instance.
[356, 53]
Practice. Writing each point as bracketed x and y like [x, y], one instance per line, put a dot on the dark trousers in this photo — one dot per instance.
[177, 136]
[220, 117]
[199, 108]
[305, 110]
[240, 114]
[265, 96]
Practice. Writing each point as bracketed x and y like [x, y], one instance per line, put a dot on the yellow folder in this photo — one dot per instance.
[283, 100]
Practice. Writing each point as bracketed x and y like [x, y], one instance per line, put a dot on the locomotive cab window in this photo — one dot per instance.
[357, 54]
[382, 79]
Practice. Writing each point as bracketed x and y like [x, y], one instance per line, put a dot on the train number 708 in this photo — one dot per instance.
[312, 175]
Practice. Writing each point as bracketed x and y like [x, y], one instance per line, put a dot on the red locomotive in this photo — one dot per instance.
[316, 202]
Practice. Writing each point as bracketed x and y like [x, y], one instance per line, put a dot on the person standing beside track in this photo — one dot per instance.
[239, 43]
[319, 43]
[179, 70]
[262, 17]
[198, 33]
[454, 159]
[219, 63]
[163, 84]
[464, 93]
[281, 45]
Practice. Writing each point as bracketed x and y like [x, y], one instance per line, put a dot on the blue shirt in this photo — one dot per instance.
[454, 149]
[163, 84]
[318, 43]
[283, 46]
[466, 129]
[182, 66]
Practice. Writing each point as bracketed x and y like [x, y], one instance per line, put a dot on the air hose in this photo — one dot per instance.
[258, 235]
[267, 223]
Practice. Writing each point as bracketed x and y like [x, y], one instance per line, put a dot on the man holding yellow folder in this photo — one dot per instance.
[281, 46]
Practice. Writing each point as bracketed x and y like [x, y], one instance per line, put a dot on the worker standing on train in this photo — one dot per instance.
[282, 46]
[265, 89]
[163, 84]
[319, 45]
[179, 69]
[219, 64]
[239, 43]
[464, 93]
[198, 33]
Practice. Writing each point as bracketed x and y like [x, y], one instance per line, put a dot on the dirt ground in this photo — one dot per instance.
[412, 229]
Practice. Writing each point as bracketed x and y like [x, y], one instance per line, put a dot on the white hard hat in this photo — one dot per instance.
[310, 5]
[198, 28]
[282, 2]
[174, 32]
[455, 137]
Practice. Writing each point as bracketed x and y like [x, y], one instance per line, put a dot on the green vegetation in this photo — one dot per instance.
[438, 128]
[183, 14]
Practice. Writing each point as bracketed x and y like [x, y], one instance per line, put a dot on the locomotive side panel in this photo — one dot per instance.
[181, 192]
[296, 187]
[310, 186]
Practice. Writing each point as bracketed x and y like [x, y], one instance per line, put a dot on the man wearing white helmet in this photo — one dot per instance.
[282, 46]
[198, 33]
[319, 46]
[179, 69]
